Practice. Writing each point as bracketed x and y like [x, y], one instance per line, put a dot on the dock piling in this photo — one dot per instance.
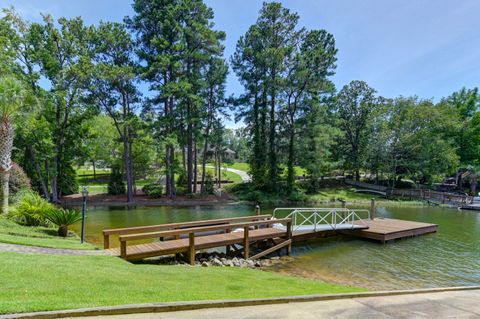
[372, 209]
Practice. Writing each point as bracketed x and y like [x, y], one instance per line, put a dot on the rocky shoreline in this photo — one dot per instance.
[222, 260]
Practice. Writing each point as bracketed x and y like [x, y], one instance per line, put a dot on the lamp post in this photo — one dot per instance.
[84, 208]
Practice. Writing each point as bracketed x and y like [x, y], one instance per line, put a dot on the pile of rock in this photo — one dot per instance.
[222, 260]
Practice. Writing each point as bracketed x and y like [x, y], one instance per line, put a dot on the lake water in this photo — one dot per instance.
[450, 257]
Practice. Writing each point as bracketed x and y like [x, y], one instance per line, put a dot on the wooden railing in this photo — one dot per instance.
[192, 232]
[434, 196]
[148, 229]
[375, 187]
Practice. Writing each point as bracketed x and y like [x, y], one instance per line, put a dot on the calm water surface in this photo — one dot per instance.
[450, 257]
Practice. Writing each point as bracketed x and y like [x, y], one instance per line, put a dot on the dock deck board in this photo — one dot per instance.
[385, 229]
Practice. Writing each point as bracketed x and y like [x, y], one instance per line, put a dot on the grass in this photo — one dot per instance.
[240, 166]
[48, 282]
[299, 171]
[12, 233]
[226, 175]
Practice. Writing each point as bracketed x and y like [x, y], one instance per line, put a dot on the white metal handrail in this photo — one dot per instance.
[315, 217]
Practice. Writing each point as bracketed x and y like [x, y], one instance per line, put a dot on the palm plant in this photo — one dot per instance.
[13, 97]
[63, 218]
[30, 209]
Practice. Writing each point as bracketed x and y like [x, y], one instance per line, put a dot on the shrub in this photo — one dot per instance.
[18, 180]
[30, 208]
[181, 190]
[63, 218]
[68, 182]
[154, 190]
[182, 178]
[116, 186]
[209, 184]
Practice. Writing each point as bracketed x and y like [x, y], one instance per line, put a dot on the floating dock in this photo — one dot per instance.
[386, 229]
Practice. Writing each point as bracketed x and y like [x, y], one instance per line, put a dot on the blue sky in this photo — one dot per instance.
[399, 47]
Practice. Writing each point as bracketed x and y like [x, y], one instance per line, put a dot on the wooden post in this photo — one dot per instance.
[106, 241]
[289, 237]
[227, 248]
[191, 248]
[344, 204]
[123, 249]
[257, 210]
[372, 209]
[246, 244]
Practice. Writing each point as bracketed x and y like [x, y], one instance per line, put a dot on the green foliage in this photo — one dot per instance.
[116, 185]
[181, 190]
[62, 218]
[30, 209]
[68, 181]
[154, 190]
[18, 180]
[355, 105]
[209, 183]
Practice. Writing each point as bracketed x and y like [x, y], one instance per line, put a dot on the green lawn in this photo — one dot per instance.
[89, 170]
[299, 171]
[240, 166]
[48, 282]
[12, 233]
[226, 175]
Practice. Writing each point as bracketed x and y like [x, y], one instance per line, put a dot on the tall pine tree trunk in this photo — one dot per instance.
[128, 167]
[204, 158]
[291, 159]
[189, 150]
[94, 170]
[272, 149]
[195, 169]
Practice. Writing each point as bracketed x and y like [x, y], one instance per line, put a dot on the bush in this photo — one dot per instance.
[182, 178]
[30, 209]
[181, 190]
[116, 186]
[63, 218]
[154, 190]
[18, 180]
[68, 181]
[209, 184]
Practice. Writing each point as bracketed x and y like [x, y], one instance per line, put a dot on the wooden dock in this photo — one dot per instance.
[251, 231]
[385, 229]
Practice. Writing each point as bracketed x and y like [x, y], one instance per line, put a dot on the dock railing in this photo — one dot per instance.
[319, 218]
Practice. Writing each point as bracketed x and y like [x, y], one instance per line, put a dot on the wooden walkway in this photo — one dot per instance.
[187, 238]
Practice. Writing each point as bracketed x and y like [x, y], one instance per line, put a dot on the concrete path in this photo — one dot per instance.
[48, 251]
[452, 304]
[244, 175]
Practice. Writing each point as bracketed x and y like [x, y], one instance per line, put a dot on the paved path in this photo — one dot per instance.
[48, 251]
[244, 175]
[452, 304]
